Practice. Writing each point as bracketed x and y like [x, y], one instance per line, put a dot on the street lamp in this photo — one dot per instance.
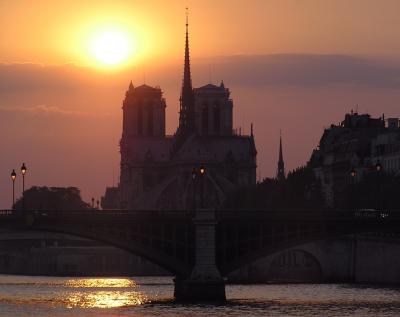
[353, 174]
[202, 171]
[23, 172]
[194, 176]
[378, 168]
[13, 177]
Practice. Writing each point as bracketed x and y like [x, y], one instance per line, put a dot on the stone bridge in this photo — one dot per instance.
[201, 247]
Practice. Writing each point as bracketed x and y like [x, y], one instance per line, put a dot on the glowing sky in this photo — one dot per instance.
[58, 31]
[290, 64]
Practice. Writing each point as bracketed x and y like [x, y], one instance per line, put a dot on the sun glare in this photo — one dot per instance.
[111, 47]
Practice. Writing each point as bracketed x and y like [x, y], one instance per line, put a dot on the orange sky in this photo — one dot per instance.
[291, 65]
[50, 31]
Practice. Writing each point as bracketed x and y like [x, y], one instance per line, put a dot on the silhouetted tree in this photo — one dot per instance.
[52, 198]
[300, 190]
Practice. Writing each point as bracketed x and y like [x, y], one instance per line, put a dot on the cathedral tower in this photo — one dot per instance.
[213, 108]
[143, 127]
[143, 112]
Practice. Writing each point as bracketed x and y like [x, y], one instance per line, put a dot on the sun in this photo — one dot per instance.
[111, 47]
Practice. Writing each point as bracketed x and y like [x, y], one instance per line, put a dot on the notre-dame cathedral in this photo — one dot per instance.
[160, 171]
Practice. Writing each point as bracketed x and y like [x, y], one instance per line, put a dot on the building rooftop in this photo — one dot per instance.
[212, 87]
[355, 120]
[145, 87]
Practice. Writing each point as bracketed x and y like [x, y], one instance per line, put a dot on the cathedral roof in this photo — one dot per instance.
[217, 148]
[210, 86]
[143, 91]
[212, 89]
[147, 87]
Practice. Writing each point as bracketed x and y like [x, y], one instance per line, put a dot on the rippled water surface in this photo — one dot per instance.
[152, 296]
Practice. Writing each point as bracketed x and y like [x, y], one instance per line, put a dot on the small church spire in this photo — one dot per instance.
[281, 164]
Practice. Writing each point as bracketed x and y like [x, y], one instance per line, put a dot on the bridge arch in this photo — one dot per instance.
[295, 265]
[166, 262]
[161, 239]
[271, 250]
[244, 237]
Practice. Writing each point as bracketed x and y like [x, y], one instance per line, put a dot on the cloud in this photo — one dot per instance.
[302, 70]
[25, 77]
[307, 70]
[50, 111]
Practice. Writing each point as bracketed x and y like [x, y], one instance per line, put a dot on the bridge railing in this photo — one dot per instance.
[233, 213]
[6, 212]
[325, 213]
[181, 214]
[372, 213]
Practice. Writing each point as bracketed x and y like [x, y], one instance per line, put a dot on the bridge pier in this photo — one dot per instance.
[205, 283]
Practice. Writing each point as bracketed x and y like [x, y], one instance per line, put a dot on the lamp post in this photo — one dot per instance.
[13, 177]
[353, 175]
[194, 176]
[378, 168]
[23, 172]
[202, 171]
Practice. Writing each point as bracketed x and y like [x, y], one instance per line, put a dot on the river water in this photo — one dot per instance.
[152, 296]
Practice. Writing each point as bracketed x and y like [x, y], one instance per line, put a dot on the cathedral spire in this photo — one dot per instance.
[186, 116]
[187, 80]
[280, 175]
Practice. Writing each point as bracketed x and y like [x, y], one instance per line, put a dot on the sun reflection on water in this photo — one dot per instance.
[105, 299]
[117, 293]
[100, 282]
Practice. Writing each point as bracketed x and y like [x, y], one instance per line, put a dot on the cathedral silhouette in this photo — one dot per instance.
[194, 168]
